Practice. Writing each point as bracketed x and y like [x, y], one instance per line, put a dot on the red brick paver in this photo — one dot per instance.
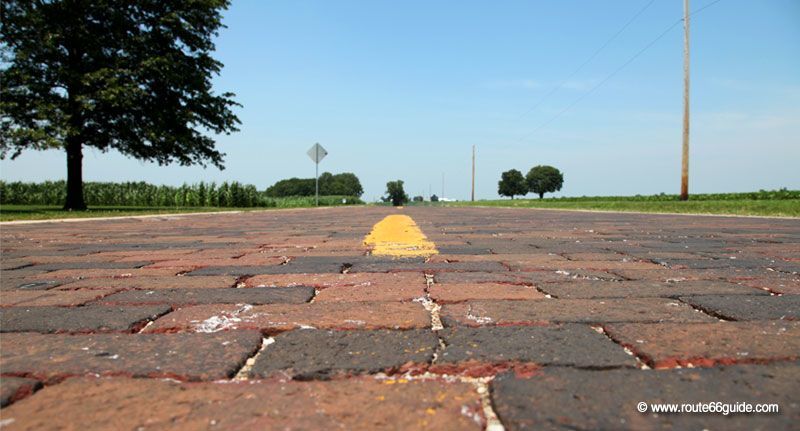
[285, 320]
[366, 403]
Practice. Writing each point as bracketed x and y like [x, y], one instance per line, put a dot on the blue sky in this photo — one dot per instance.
[402, 90]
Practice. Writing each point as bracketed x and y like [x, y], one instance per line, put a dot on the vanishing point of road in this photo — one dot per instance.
[412, 318]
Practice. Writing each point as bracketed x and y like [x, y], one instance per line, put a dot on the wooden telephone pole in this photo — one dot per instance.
[685, 159]
[473, 173]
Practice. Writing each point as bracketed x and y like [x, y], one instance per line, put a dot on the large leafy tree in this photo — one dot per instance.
[512, 183]
[395, 193]
[133, 76]
[544, 179]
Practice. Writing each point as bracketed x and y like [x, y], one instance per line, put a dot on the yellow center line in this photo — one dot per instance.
[399, 236]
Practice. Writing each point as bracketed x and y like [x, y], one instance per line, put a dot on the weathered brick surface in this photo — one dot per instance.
[359, 403]
[643, 289]
[377, 281]
[12, 284]
[480, 313]
[181, 297]
[735, 307]
[50, 297]
[78, 319]
[180, 356]
[568, 399]
[666, 345]
[567, 265]
[284, 317]
[445, 293]
[16, 388]
[314, 354]
[195, 262]
[476, 277]
[79, 274]
[654, 283]
[429, 267]
[561, 275]
[773, 281]
[404, 286]
[397, 292]
[151, 283]
[568, 345]
[84, 264]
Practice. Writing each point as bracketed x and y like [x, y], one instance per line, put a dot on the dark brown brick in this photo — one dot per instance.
[735, 307]
[643, 289]
[569, 345]
[446, 293]
[666, 345]
[180, 356]
[92, 318]
[316, 354]
[481, 313]
[182, 297]
[16, 388]
[150, 283]
[283, 317]
[569, 399]
[50, 297]
[360, 403]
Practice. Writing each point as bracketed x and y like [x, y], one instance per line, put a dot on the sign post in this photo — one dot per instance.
[317, 153]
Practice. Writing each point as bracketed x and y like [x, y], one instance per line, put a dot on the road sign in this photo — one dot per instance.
[317, 153]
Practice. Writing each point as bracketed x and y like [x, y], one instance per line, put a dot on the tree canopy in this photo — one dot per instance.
[395, 192]
[512, 183]
[544, 179]
[130, 76]
[344, 184]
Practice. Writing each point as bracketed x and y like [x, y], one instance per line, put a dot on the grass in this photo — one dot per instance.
[48, 212]
[45, 212]
[783, 207]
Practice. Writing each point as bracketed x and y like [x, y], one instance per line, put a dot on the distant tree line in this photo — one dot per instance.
[540, 180]
[344, 184]
[202, 194]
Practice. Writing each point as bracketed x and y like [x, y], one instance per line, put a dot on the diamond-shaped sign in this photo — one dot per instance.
[317, 153]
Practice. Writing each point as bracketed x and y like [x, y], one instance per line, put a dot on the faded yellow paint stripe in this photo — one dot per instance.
[399, 236]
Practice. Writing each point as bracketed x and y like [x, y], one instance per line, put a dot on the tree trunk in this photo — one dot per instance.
[75, 201]
[541, 195]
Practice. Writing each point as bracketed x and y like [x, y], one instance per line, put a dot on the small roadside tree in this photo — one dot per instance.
[395, 192]
[512, 183]
[419, 198]
[544, 179]
[434, 198]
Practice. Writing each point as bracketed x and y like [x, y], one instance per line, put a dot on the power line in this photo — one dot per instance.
[612, 74]
[587, 61]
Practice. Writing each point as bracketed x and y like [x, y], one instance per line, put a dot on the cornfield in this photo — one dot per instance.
[761, 195]
[230, 195]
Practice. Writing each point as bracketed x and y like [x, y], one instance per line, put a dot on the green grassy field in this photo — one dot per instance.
[47, 212]
[783, 207]
[44, 212]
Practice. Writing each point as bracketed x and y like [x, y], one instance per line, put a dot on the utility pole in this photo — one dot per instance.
[685, 159]
[473, 173]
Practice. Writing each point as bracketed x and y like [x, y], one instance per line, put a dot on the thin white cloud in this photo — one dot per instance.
[525, 84]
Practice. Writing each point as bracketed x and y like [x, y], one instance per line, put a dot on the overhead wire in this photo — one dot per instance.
[587, 61]
[614, 73]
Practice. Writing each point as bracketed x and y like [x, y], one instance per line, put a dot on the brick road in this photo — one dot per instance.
[522, 319]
